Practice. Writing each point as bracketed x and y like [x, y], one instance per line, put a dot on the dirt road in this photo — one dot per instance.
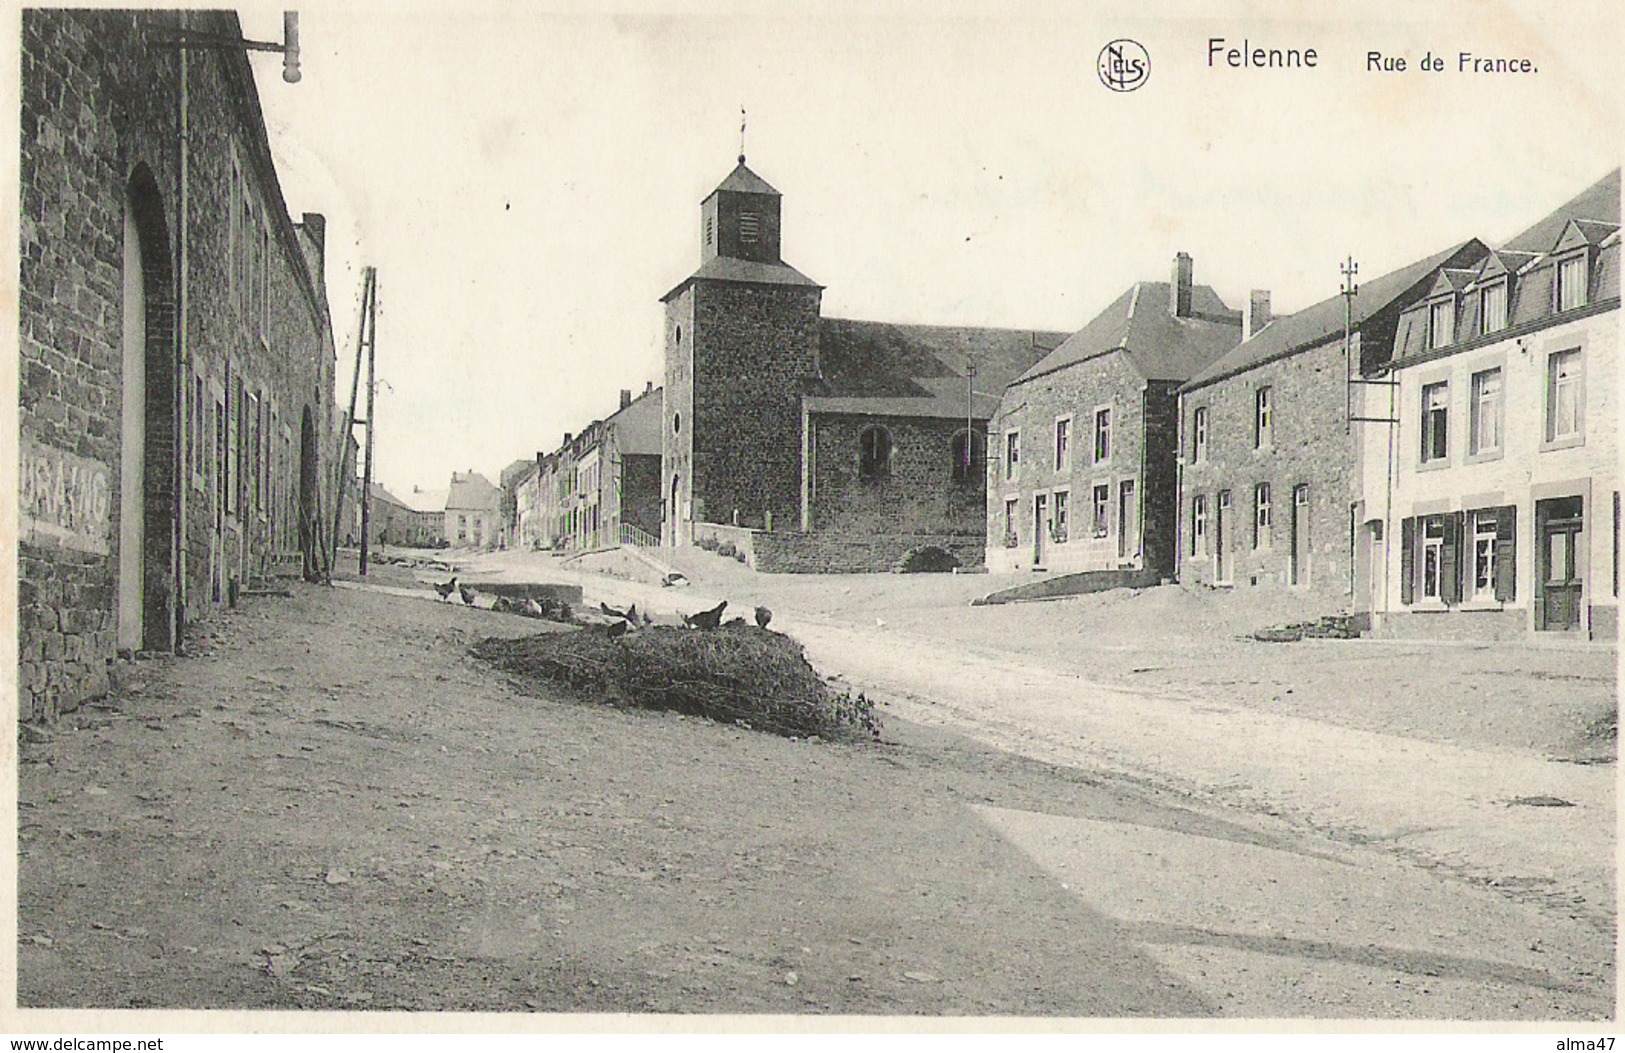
[336, 808]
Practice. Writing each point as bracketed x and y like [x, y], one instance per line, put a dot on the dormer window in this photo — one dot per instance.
[1571, 282]
[1442, 323]
[1492, 308]
[750, 227]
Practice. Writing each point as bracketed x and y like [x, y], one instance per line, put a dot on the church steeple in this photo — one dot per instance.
[740, 219]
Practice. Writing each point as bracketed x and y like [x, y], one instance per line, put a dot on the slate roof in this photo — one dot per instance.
[472, 490]
[743, 181]
[380, 494]
[729, 269]
[1159, 345]
[1313, 326]
[426, 500]
[637, 427]
[891, 369]
[1600, 201]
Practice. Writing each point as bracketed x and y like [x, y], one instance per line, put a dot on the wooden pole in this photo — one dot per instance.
[372, 388]
[349, 415]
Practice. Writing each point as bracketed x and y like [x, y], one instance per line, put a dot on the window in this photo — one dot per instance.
[1199, 435]
[1101, 523]
[1063, 439]
[1261, 516]
[1199, 525]
[1442, 323]
[1571, 282]
[1492, 313]
[1103, 435]
[1012, 453]
[1010, 536]
[1485, 425]
[1263, 418]
[874, 453]
[750, 227]
[969, 451]
[676, 423]
[1058, 525]
[1563, 395]
[1127, 514]
[1435, 422]
[1432, 556]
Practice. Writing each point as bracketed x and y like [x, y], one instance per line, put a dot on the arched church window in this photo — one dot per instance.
[874, 453]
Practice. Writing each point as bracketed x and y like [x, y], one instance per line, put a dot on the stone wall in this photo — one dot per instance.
[753, 347]
[1308, 446]
[827, 552]
[917, 493]
[99, 111]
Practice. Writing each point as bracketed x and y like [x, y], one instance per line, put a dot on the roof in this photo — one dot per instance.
[743, 181]
[472, 490]
[892, 369]
[637, 427]
[420, 500]
[1599, 201]
[730, 269]
[1313, 326]
[380, 494]
[517, 471]
[1161, 346]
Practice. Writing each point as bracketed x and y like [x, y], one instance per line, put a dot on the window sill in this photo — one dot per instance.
[1429, 606]
[1486, 456]
[1439, 464]
[1567, 442]
[1481, 605]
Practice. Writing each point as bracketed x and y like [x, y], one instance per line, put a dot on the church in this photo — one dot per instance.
[809, 444]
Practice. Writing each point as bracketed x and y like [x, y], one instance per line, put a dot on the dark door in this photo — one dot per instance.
[1300, 535]
[1221, 517]
[1041, 527]
[1559, 528]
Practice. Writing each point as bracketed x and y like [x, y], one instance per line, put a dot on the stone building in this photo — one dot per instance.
[508, 483]
[601, 487]
[811, 443]
[176, 354]
[1084, 475]
[473, 511]
[1498, 512]
[1270, 490]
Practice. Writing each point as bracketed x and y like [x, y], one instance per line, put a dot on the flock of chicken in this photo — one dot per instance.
[622, 621]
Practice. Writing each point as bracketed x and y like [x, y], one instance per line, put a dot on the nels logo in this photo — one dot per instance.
[1123, 65]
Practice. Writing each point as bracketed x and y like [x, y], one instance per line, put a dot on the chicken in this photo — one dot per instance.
[613, 613]
[503, 604]
[446, 588]
[763, 616]
[533, 609]
[706, 619]
[615, 629]
[468, 594]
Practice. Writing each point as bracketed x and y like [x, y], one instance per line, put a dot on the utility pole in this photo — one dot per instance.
[368, 319]
[372, 390]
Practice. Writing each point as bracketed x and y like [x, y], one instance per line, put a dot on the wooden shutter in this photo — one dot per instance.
[1407, 560]
[1506, 553]
[1450, 561]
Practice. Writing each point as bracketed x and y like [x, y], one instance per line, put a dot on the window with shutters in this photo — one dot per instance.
[1432, 556]
[1441, 558]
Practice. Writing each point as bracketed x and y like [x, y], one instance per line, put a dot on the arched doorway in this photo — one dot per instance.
[309, 511]
[147, 599]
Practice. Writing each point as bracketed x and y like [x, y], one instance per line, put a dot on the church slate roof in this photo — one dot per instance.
[743, 181]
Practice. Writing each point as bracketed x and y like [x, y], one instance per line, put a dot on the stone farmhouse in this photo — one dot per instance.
[812, 443]
[1270, 491]
[1084, 477]
[1494, 499]
[175, 350]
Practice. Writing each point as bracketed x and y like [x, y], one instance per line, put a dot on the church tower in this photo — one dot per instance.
[741, 346]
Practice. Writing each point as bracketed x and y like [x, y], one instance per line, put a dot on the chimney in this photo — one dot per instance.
[1179, 288]
[626, 397]
[1258, 313]
[648, 387]
[567, 438]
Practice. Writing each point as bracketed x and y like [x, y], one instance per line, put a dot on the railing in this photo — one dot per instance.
[638, 537]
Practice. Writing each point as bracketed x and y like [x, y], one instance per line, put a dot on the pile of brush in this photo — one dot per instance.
[737, 674]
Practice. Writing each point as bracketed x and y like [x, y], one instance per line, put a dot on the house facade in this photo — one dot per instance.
[1502, 488]
[1270, 477]
[811, 443]
[175, 351]
[1084, 476]
[473, 511]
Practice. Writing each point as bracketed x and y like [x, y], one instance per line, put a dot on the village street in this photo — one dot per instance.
[330, 805]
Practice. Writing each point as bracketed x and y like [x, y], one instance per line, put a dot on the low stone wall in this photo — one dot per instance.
[1071, 585]
[826, 552]
[717, 535]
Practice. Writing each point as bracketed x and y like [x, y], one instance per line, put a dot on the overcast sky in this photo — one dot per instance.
[527, 177]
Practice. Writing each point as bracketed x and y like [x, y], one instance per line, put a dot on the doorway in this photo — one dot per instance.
[1559, 528]
[1041, 527]
[309, 508]
[133, 442]
[1221, 538]
[1300, 535]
